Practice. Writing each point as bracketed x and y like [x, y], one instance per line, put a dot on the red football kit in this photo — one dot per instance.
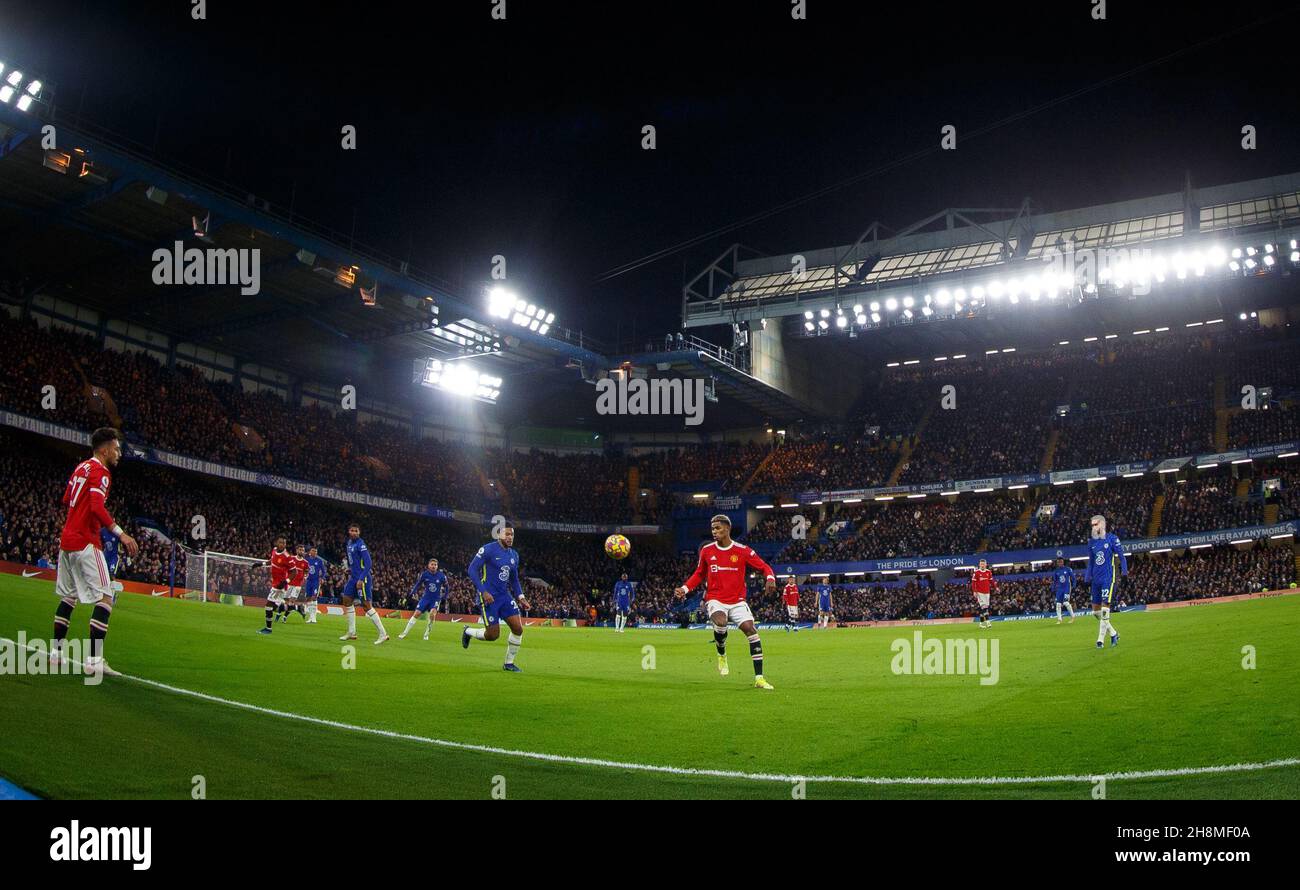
[981, 580]
[281, 562]
[791, 594]
[297, 571]
[725, 569]
[84, 497]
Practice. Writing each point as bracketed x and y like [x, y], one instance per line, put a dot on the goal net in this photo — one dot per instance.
[226, 577]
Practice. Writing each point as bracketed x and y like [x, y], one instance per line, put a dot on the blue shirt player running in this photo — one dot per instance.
[432, 587]
[1106, 563]
[495, 573]
[311, 583]
[360, 586]
[112, 551]
[623, 596]
[1062, 587]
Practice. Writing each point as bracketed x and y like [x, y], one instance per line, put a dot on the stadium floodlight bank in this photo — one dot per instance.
[1240, 230]
[229, 576]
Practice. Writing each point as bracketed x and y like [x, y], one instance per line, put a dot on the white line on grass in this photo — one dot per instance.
[714, 773]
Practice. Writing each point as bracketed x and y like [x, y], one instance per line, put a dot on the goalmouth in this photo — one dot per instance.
[225, 577]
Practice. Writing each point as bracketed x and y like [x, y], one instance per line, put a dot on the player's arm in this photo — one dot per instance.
[696, 577]
[100, 512]
[1123, 557]
[518, 587]
[754, 561]
[479, 577]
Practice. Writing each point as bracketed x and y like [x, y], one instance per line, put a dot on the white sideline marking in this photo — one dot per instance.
[714, 773]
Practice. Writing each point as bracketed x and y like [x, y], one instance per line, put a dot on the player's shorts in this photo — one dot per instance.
[1102, 593]
[359, 589]
[83, 574]
[824, 607]
[793, 611]
[1062, 596]
[309, 593]
[737, 613]
[294, 592]
[982, 599]
[501, 607]
[429, 603]
[623, 606]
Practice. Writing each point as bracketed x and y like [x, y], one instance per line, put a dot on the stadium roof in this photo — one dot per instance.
[89, 234]
[952, 245]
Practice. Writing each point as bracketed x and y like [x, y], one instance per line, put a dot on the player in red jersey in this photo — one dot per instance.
[281, 563]
[724, 563]
[82, 575]
[981, 583]
[297, 572]
[790, 595]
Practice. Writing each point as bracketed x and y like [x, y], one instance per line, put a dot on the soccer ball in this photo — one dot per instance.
[617, 547]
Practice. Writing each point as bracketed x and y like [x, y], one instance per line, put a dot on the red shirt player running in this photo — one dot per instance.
[723, 563]
[982, 583]
[82, 575]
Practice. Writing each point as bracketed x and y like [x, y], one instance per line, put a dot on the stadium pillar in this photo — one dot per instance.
[819, 378]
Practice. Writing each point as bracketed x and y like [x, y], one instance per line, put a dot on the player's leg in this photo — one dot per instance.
[66, 589]
[514, 640]
[491, 625]
[746, 625]
[1058, 610]
[1110, 626]
[430, 616]
[96, 587]
[349, 612]
[718, 616]
[410, 623]
[364, 593]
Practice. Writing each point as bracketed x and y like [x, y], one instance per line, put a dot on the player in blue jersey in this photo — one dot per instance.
[623, 596]
[1106, 563]
[360, 586]
[112, 551]
[495, 573]
[432, 586]
[824, 604]
[311, 584]
[1063, 586]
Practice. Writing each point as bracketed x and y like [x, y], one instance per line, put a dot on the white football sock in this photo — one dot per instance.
[1110, 628]
[1069, 605]
[513, 642]
[409, 624]
[379, 625]
[477, 633]
[352, 620]
[1058, 611]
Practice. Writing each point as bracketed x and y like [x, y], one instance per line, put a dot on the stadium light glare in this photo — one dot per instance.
[826, 313]
[943, 297]
[861, 319]
[1295, 255]
[927, 311]
[808, 326]
[823, 324]
[907, 313]
[857, 308]
[875, 306]
[24, 102]
[841, 321]
[959, 355]
[1014, 299]
[15, 78]
[875, 317]
[6, 93]
[891, 304]
[808, 315]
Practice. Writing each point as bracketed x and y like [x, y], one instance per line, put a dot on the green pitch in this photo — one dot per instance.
[1174, 694]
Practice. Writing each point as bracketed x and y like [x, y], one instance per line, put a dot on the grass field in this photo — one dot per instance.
[1173, 695]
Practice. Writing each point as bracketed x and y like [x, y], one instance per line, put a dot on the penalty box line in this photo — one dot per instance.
[707, 773]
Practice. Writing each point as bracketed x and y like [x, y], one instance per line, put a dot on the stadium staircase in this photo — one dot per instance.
[1270, 514]
[905, 453]
[1157, 516]
[767, 458]
[1049, 454]
[1022, 524]
[1243, 488]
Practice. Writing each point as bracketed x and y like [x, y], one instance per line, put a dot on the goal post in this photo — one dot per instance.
[226, 577]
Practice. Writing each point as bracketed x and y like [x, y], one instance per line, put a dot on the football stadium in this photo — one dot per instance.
[958, 496]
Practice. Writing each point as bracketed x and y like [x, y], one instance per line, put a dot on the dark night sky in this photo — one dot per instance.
[522, 138]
